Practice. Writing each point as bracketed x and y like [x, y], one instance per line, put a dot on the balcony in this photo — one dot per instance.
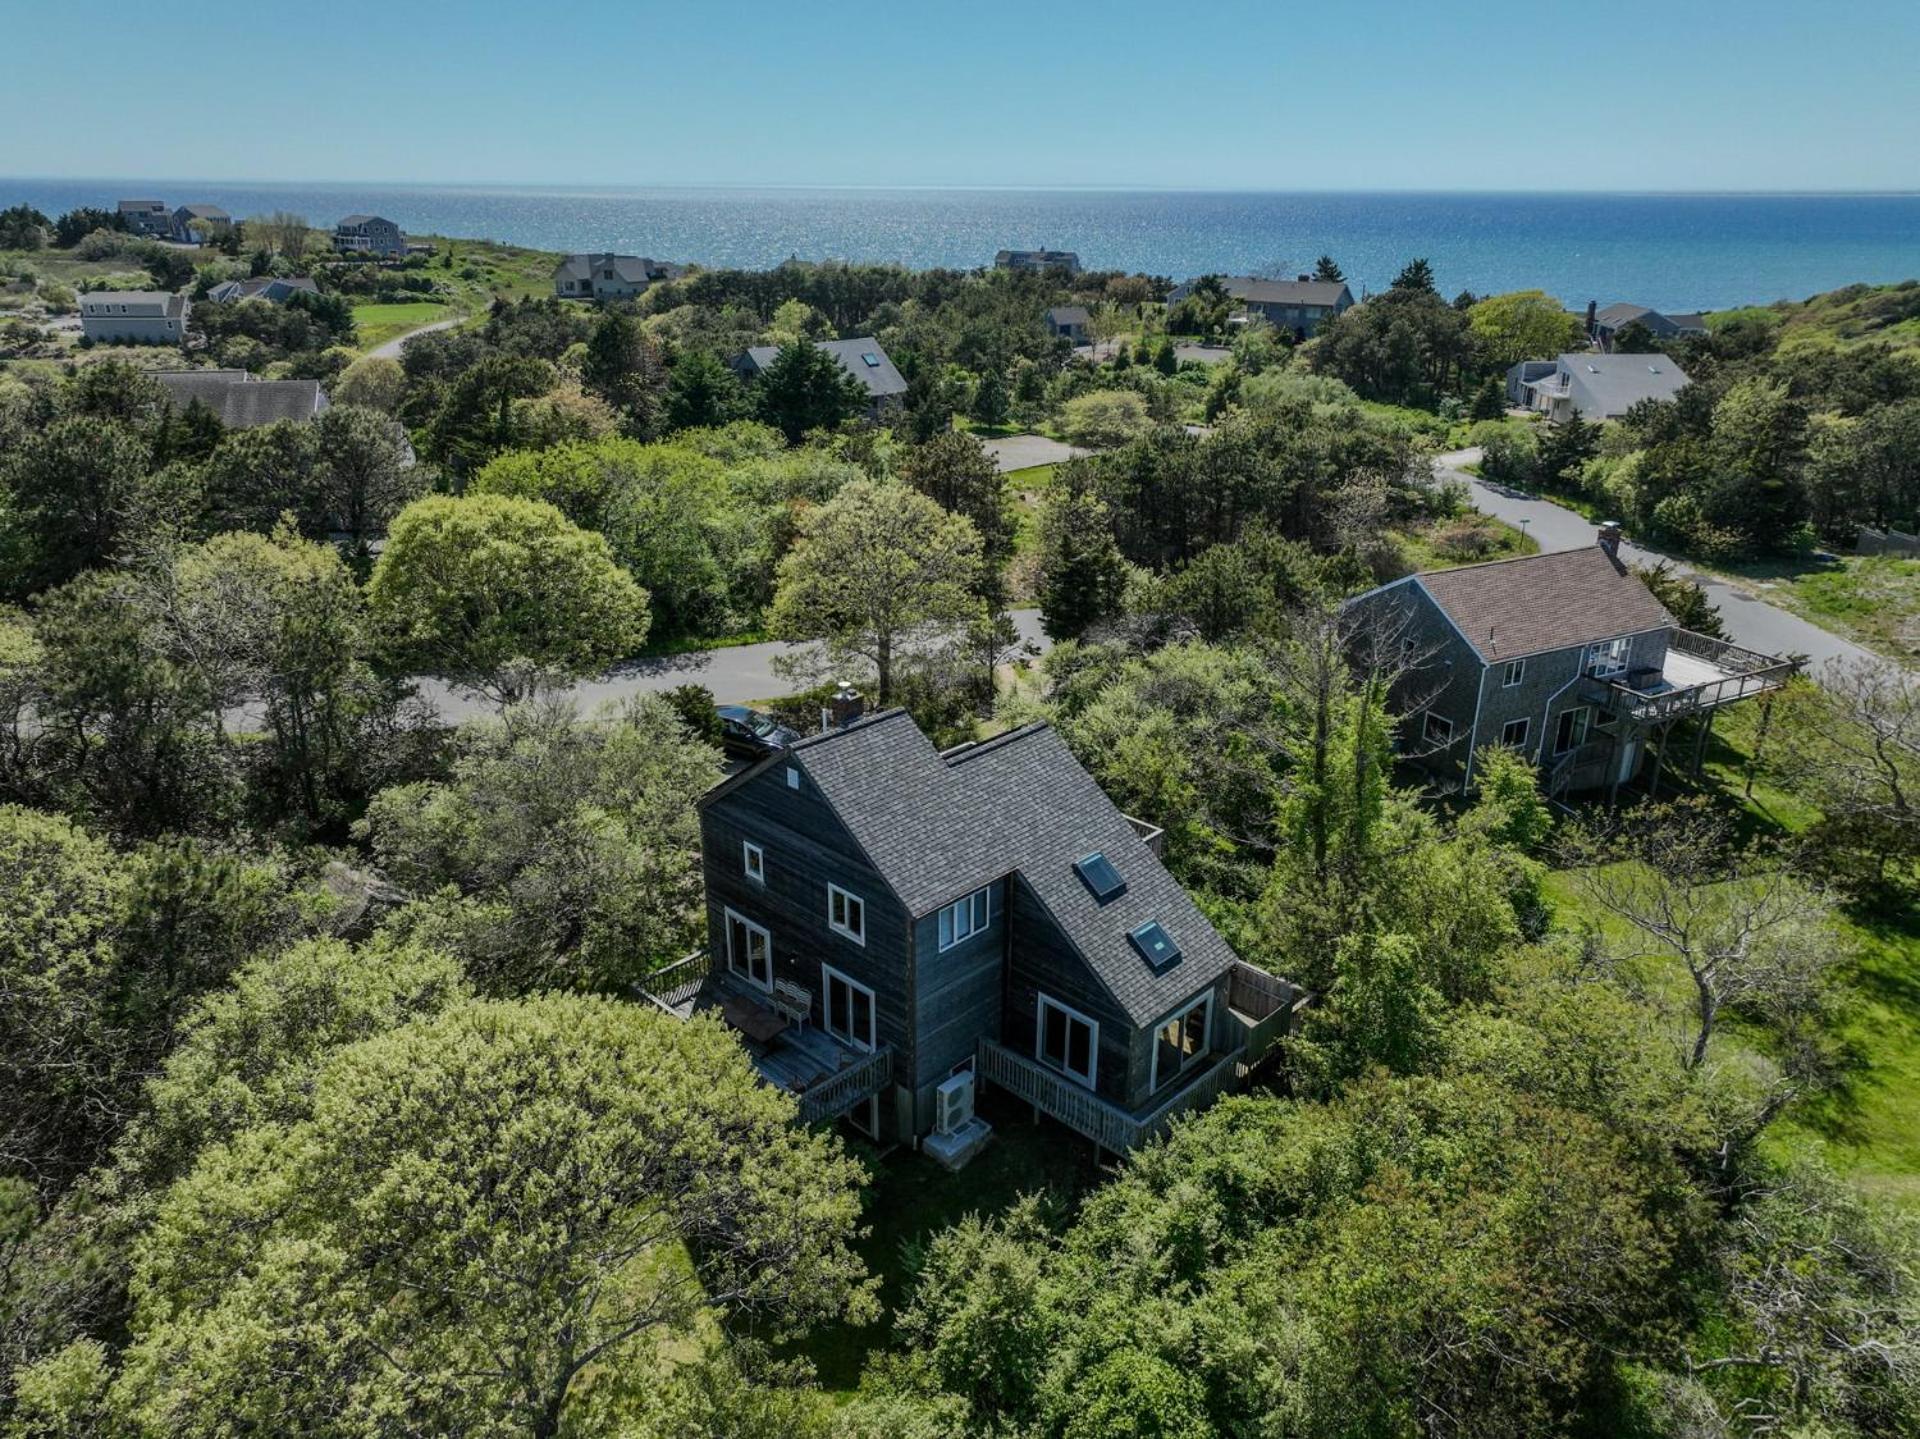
[825, 1076]
[1699, 674]
[1081, 1110]
[1262, 1008]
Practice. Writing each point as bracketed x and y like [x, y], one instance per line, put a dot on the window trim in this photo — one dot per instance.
[1043, 1003]
[793, 778]
[1515, 673]
[1428, 719]
[1203, 1000]
[753, 861]
[847, 931]
[1604, 661]
[745, 971]
[1526, 729]
[947, 923]
[1584, 725]
[827, 975]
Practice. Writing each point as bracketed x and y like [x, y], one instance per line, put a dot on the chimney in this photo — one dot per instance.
[1610, 539]
[1305, 278]
[1593, 310]
[845, 707]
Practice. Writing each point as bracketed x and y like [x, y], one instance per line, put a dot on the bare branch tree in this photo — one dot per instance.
[1856, 741]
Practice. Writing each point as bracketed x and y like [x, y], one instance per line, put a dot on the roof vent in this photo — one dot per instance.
[1156, 946]
[1097, 873]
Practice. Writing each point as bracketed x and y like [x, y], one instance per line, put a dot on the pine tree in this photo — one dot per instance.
[1489, 401]
[1326, 269]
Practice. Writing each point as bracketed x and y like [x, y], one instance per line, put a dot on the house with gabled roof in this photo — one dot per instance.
[1566, 658]
[610, 277]
[1300, 305]
[242, 402]
[862, 357]
[1609, 322]
[1594, 386]
[891, 924]
[369, 235]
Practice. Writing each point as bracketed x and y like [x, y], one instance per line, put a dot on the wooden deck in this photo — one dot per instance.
[826, 1076]
[1083, 1111]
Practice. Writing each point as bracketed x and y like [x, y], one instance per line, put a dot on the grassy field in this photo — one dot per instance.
[1873, 600]
[1511, 542]
[376, 324]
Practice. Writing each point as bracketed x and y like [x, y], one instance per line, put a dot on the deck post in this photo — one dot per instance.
[1659, 762]
[1700, 743]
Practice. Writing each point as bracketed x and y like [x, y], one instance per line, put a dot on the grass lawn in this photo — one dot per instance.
[912, 1198]
[1873, 600]
[377, 324]
[1511, 543]
[1027, 486]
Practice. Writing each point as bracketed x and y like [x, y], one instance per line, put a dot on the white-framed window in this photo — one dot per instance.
[846, 914]
[1181, 1038]
[753, 860]
[749, 950]
[1607, 658]
[848, 1007]
[966, 917]
[1067, 1041]
[1513, 734]
[1438, 729]
[1571, 732]
[1515, 671]
[793, 778]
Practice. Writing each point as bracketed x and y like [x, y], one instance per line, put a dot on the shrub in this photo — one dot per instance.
[1105, 419]
[1471, 537]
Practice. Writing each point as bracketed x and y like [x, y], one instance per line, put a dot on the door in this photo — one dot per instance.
[848, 1008]
[1068, 1041]
[749, 951]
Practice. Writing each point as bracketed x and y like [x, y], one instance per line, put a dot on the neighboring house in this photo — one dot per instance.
[1566, 658]
[146, 217]
[273, 289]
[369, 235]
[891, 924]
[242, 402]
[610, 277]
[1598, 387]
[860, 357]
[1070, 322]
[197, 224]
[1037, 260]
[134, 317]
[1298, 305]
[1609, 322]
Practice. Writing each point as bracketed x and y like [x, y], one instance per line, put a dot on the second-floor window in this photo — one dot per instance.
[1607, 658]
[846, 914]
[1515, 671]
[1438, 729]
[753, 860]
[965, 918]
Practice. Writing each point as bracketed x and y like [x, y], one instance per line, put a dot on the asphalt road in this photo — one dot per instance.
[1023, 452]
[392, 348]
[737, 674]
[1749, 619]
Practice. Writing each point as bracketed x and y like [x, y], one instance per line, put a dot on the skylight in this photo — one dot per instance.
[1096, 871]
[1156, 946]
[871, 359]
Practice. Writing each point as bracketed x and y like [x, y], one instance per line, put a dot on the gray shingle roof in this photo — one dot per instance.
[1249, 290]
[241, 401]
[1601, 386]
[938, 827]
[275, 288]
[1069, 315]
[635, 269]
[1510, 608]
[202, 212]
[880, 379]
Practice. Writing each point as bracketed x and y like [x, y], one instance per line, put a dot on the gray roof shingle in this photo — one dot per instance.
[879, 379]
[1250, 290]
[1509, 608]
[241, 401]
[938, 827]
[1602, 386]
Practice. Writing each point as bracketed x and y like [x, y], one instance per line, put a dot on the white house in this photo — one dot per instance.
[1595, 386]
[134, 317]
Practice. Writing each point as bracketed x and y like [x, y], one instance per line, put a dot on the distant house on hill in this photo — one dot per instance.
[1070, 322]
[369, 235]
[610, 277]
[1596, 387]
[860, 357]
[146, 217]
[273, 289]
[240, 401]
[1037, 260]
[197, 224]
[1613, 319]
[134, 317]
[1297, 305]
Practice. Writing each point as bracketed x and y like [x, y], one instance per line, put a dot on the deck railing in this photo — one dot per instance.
[835, 1096]
[1745, 673]
[1081, 1110]
[1262, 1005]
[673, 987]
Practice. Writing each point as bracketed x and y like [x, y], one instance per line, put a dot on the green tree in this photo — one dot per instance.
[502, 596]
[1081, 577]
[1522, 325]
[1489, 401]
[1104, 419]
[623, 367]
[874, 568]
[372, 381]
[992, 402]
[959, 474]
[1760, 440]
[483, 1209]
[1565, 448]
[573, 843]
[702, 392]
[365, 473]
[78, 487]
[475, 420]
[1325, 268]
[24, 228]
[258, 474]
[805, 389]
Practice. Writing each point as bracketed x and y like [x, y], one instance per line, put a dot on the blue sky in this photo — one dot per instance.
[1532, 94]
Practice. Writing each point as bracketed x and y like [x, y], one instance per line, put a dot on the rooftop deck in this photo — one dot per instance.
[827, 1076]
[1699, 673]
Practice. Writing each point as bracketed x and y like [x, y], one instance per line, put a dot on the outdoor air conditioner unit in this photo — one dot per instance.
[953, 1104]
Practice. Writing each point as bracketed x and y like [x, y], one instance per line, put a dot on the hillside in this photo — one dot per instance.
[1851, 315]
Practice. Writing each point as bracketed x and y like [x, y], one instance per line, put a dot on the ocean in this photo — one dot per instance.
[1670, 251]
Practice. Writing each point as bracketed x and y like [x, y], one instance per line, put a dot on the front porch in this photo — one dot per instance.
[1260, 1010]
[826, 1076]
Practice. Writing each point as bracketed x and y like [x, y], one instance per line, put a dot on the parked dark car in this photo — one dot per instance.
[748, 734]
